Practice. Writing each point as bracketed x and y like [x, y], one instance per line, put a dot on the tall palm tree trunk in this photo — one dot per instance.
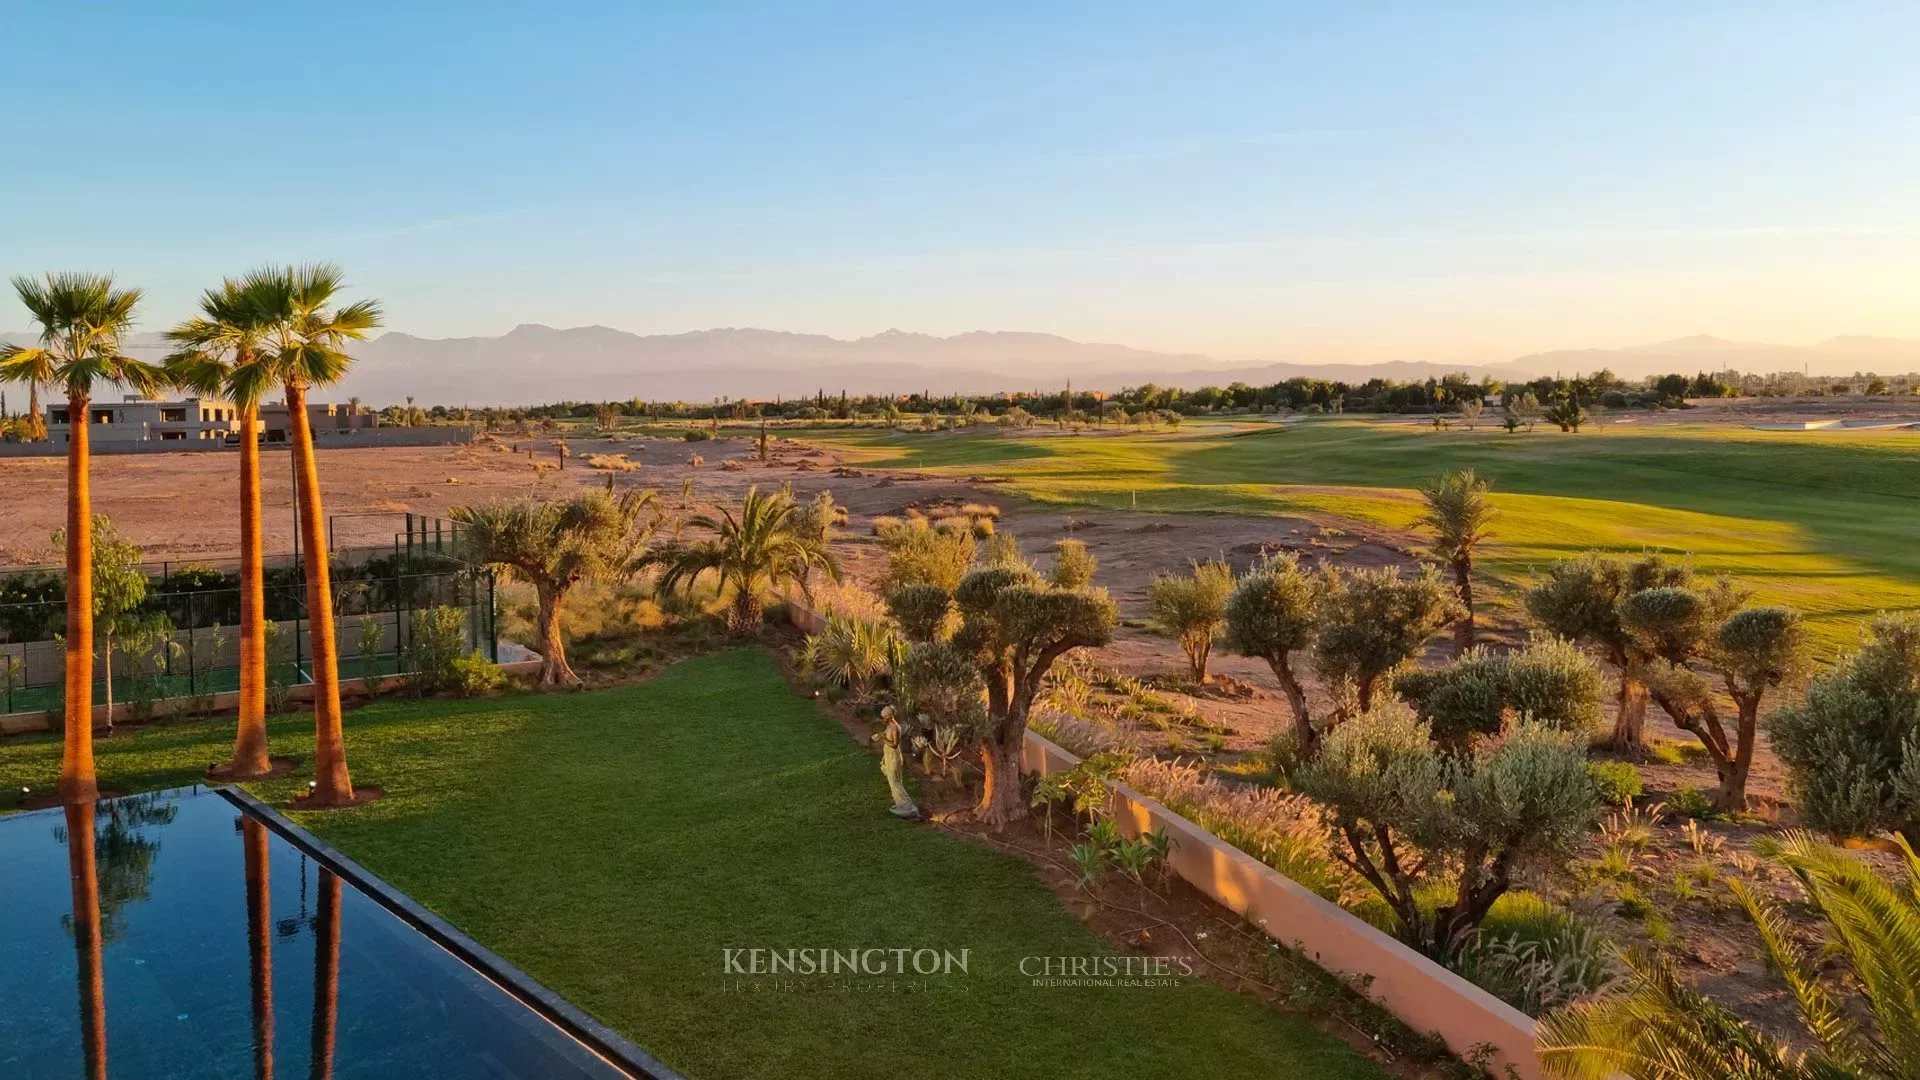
[89, 974]
[250, 739]
[332, 785]
[259, 944]
[77, 781]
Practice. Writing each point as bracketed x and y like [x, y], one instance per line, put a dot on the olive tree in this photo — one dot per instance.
[1015, 625]
[1549, 682]
[1580, 600]
[555, 545]
[1411, 815]
[1459, 512]
[1370, 622]
[1073, 565]
[1852, 748]
[1271, 616]
[1753, 650]
[1191, 608]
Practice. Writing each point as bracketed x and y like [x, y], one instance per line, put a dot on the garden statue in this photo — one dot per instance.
[894, 764]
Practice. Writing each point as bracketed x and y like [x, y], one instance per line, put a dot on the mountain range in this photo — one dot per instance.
[534, 363]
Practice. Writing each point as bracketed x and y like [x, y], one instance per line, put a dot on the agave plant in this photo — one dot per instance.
[1661, 1029]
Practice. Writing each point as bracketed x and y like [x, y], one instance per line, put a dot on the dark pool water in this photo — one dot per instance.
[209, 968]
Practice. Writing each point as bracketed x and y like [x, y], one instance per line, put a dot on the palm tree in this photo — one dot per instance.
[555, 545]
[36, 372]
[757, 552]
[81, 319]
[309, 339]
[1459, 511]
[220, 353]
[1662, 1029]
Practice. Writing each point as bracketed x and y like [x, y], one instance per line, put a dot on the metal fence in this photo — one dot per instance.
[182, 639]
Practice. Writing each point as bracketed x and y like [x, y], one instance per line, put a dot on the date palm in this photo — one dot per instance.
[81, 319]
[220, 353]
[1459, 512]
[1861, 1026]
[756, 552]
[308, 349]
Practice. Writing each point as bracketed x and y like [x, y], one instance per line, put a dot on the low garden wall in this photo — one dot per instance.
[1424, 995]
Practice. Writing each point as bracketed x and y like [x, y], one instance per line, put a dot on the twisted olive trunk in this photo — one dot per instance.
[1296, 704]
[554, 670]
[1630, 718]
[250, 738]
[332, 785]
[1000, 795]
[77, 781]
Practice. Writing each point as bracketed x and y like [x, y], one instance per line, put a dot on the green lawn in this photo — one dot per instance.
[1824, 521]
[614, 842]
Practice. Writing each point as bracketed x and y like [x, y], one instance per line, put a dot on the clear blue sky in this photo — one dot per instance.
[1268, 180]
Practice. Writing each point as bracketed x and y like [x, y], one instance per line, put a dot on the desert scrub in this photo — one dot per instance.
[1617, 781]
[1081, 736]
[612, 463]
[1287, 832]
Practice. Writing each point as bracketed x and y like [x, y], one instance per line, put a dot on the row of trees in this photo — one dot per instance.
[273, 330]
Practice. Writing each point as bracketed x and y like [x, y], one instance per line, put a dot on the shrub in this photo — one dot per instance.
[696, 435]
[612, 463]
[1550, 682]
[1617, 781]
[1689, 801]
[437, 641]
[919, 555]
[1852, 749]
[1192, 609]
[474, 675]
[1073, 565]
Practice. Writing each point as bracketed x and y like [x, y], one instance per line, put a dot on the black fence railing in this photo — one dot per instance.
[182, 637]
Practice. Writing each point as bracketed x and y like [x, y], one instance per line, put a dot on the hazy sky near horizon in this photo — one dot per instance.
[1338, 182]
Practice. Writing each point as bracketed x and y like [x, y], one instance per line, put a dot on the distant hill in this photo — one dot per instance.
[534, 363]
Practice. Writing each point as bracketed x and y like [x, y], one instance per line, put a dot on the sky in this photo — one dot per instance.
[1458, 182]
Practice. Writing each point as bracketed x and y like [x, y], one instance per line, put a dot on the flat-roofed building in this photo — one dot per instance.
[143, 419]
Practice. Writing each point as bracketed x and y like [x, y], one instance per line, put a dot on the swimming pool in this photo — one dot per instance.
[196, 934]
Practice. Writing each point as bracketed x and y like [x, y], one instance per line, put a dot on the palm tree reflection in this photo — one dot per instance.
[259, 944]
[85, 923]
[326, 975]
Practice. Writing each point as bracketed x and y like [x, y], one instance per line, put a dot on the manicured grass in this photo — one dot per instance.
[614, 842]
[1821, 520]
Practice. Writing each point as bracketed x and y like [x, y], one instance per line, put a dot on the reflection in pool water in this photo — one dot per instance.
[204, 945]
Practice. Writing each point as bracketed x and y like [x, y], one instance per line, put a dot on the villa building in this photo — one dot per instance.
[142, 419]
[137, 419]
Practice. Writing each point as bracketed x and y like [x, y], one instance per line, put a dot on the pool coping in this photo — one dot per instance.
[600, 1038]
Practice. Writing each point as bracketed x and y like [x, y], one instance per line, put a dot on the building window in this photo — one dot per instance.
[173, 436]
[56, 416]
[103, 416]
[173, 416]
